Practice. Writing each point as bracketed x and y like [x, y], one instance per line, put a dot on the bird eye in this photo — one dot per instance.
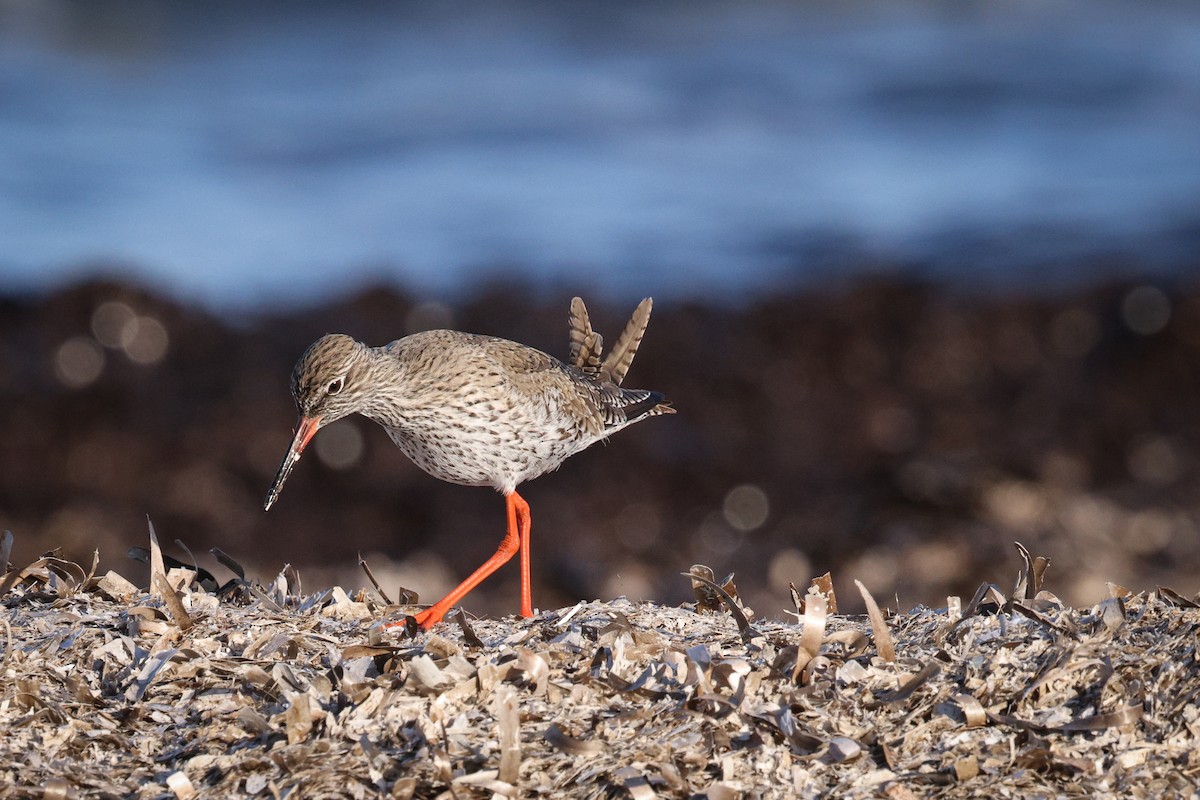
[335, 386]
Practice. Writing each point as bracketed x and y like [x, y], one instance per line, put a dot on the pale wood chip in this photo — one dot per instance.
[954, 608]
[116, 587]
[298, 719]
[634, 781]
[842, 749]
[181, 785]
[158, 568]
[504, 707]
[966, 768]
[815, 617]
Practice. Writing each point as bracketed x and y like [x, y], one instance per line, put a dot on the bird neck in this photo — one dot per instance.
[387, 399]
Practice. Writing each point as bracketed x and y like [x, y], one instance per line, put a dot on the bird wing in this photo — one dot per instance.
[626, 406]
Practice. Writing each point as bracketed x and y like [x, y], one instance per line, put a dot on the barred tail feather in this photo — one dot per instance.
[621, 356]
[585, 342]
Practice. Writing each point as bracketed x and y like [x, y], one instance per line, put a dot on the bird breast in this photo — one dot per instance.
[483, 412]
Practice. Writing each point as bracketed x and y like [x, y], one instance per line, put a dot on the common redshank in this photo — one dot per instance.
[477, 411]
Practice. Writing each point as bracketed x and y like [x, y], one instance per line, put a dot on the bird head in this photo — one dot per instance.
[327, 384]
[327, 380]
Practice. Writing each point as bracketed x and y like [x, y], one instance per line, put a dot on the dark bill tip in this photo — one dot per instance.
[285, 469]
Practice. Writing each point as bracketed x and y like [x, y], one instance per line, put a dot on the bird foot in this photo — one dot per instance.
[413, 623]
[425, 620]
[429, 617]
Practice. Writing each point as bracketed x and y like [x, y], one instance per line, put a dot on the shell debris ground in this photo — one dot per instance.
[273, 693]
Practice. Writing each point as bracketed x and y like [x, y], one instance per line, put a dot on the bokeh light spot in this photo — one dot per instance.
[1146, 310]
[340, 446]
[1016, 504]
[78, 362]
[114, 324]
[715, 539]
[148, 344]
[1149, 532]
[789, 565]
[934, 562]
[746, 507]
[632, 580]
[878, 568]
[1091, 518]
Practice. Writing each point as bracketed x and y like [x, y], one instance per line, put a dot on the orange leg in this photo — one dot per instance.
[524, 524]
[517, 538]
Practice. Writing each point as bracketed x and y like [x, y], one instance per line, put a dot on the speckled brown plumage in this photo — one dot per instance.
[476, 410]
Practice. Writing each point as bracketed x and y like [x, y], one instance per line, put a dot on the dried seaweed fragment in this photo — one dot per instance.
[698, 576]
[569, 744]
[171, 601]
[366, 568]
[883, 637]
[910, 686]
[1031, 576]
[823, 585]
[1175, 598]
[603, 699]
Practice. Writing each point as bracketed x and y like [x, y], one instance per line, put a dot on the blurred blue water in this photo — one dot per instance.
[258, 153]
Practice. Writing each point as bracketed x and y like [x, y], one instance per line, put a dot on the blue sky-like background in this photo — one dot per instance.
[255, 155]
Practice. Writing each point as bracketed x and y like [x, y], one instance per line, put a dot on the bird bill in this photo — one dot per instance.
[305, 429]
